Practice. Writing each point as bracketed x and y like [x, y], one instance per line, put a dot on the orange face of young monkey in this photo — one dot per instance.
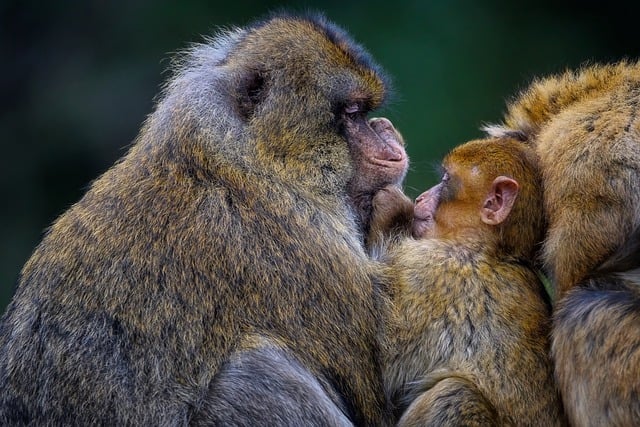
[467, 198]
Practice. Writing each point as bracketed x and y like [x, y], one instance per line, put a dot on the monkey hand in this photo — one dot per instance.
[392, 214]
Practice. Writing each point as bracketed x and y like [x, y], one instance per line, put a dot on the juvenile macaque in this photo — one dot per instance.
[585, 128]
[469, 336]
[216, 274]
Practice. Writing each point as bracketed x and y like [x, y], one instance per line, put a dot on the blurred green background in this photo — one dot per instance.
[78, 78]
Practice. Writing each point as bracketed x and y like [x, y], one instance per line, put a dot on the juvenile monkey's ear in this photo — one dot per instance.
[499, 201]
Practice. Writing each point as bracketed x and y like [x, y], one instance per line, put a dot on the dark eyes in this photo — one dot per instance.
[352, 108]
[353, 111]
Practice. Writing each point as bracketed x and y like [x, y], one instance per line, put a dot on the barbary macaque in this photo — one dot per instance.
[584, 126]
[469, 335]
[216, 274]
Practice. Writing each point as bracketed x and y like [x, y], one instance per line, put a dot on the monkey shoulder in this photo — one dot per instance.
[450, 258]
[575, 90]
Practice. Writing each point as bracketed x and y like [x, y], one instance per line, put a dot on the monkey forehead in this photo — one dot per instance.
[320, 49]
[491, 155]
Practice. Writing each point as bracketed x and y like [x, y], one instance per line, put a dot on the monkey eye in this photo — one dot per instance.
[352, 108]
[352, 111]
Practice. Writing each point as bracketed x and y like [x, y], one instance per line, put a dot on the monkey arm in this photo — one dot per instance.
[391, 219]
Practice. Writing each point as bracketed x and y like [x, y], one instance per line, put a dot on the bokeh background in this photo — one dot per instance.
[77, 78]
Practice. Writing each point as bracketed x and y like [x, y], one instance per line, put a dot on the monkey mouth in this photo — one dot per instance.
[390, 155]
[393, 161]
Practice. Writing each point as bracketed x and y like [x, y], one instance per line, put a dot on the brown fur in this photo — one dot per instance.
[469, 343]
[216, 274]
[584, 125]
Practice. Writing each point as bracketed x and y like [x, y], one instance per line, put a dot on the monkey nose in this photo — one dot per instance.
[385, 130]
[380, 123]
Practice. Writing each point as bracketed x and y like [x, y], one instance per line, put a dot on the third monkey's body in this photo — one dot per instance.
[585, 127]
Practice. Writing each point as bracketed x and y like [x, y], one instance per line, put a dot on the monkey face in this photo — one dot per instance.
[378, 156]
[478, 192]
[377, 150]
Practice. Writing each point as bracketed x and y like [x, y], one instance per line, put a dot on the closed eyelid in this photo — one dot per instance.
[352, 108]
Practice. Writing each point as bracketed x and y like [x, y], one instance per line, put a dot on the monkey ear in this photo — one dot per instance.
[251, 92]
[499, 201]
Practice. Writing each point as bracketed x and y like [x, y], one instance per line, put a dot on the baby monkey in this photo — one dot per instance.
[468, 337]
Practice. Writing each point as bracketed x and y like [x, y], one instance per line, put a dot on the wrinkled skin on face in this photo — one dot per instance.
[380, 159]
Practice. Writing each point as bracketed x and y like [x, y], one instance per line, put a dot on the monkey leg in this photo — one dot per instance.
[267, 386]
[596, 350]
[454, 401]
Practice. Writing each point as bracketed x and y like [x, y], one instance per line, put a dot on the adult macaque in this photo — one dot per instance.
[216, 274]
[469, 339]
[585, 127]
